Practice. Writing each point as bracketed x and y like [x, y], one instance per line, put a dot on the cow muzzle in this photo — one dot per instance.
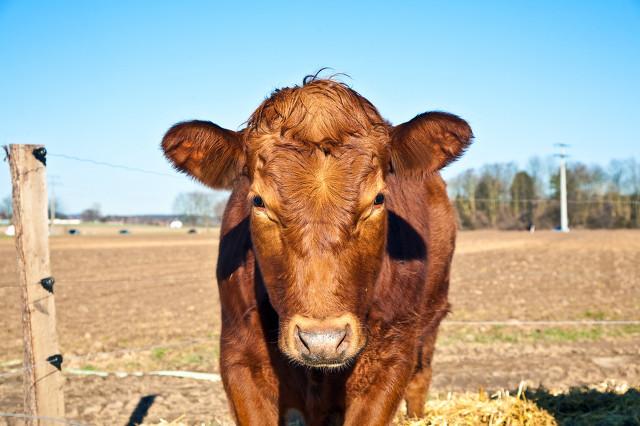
[323, 343]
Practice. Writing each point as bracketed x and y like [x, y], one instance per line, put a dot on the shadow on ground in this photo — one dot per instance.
[590, 407]
[141, 410]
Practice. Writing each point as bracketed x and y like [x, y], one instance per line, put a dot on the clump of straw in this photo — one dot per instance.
[499, 409]
[606, 404]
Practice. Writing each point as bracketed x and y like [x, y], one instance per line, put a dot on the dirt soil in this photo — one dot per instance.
[141, 303]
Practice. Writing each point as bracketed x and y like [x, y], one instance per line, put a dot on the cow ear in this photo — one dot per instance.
[428, 142]
[209, 153]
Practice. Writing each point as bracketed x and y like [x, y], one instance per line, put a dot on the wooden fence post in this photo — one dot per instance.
[43, 380]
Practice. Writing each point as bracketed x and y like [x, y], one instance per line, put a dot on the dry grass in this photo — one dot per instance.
[177, 422]
[604, 404]
[499, 409]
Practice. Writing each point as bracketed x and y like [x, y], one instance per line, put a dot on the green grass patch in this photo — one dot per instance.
[594, 315]
[88, 367]
[159, 353]
[626, 330]
[194, 358]
[511, 334]
[203, 357]
[557, 334]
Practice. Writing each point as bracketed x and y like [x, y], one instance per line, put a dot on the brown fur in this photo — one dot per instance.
[319, 252]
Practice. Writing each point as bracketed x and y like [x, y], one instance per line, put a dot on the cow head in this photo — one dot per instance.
[317, 156]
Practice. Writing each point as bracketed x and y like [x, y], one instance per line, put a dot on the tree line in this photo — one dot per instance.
[504, 196]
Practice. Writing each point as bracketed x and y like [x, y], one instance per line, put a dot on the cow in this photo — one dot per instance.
[335, 253]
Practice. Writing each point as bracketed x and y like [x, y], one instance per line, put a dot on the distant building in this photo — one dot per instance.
[10, 231]
[67, 221]
[175, 224]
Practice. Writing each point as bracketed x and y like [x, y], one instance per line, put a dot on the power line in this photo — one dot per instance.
[112, 165]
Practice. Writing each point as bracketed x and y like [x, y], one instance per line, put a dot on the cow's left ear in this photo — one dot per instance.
[428, 142]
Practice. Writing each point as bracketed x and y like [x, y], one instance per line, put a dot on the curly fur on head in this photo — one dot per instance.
[320, 111]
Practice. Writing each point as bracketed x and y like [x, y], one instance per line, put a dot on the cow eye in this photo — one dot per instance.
[258, 201]
[378, 200]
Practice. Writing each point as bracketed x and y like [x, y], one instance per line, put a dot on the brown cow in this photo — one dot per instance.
[334, 259]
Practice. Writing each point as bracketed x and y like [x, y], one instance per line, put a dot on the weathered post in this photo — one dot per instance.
[43, 380]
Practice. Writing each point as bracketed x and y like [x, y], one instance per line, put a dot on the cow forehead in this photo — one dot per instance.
[317, 181]
[317, 194]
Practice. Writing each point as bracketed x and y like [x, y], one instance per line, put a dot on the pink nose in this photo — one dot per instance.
[328, 342]
[323, 345]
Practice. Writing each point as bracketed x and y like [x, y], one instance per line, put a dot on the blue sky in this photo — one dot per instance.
[105, 80]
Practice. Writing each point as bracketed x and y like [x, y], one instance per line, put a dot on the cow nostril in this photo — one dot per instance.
[343, 344]
[299, 335]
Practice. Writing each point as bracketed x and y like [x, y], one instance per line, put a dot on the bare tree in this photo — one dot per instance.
[462, 189]
[538, 173]
[91, 214]
[196, 208]
[493, 189]
[523, 194]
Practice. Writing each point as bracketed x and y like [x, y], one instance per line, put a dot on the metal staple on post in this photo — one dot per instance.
[47, 284]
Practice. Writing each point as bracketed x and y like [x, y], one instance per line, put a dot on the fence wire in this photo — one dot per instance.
[43, 418]
[112, 165]
[540, 201]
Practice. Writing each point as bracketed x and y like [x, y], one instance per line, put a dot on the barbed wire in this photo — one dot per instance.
[192, 342]
[542, 200]
[174, 176]
[139, 349]
[516, 322]
[125, 280]
[44, 418]
[112, 165]
[180, 343]
[510, 322]
[153, 280]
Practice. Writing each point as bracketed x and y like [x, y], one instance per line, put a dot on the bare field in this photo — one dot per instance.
[155, 292]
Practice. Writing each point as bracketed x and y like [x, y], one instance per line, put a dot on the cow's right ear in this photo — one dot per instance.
[206, 151]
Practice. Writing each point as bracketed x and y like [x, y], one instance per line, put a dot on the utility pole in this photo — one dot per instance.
[564, 215]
